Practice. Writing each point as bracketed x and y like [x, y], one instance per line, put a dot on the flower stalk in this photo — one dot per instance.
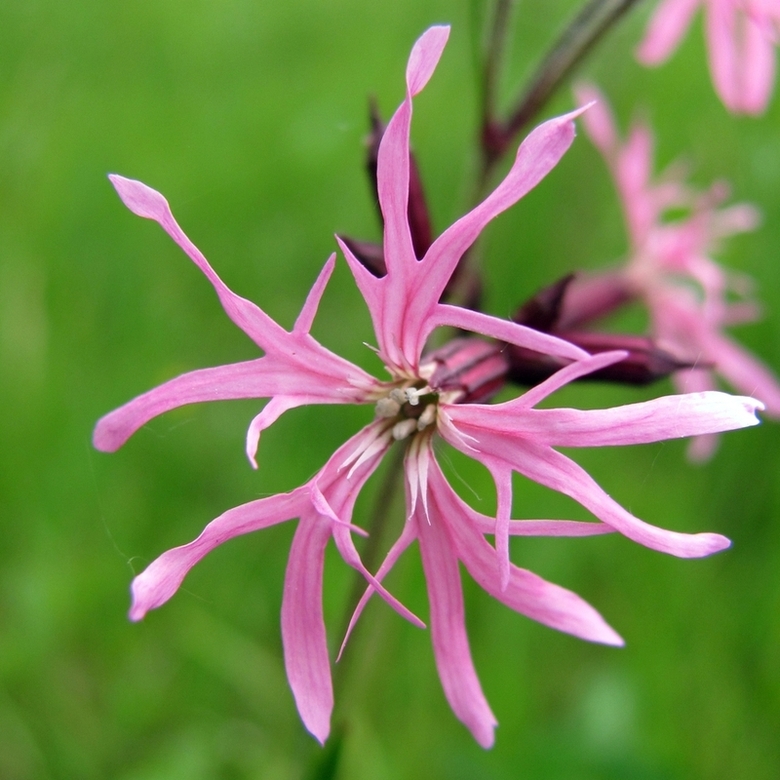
[590, 25]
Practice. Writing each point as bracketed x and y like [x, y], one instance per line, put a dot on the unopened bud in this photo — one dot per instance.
[644, 364]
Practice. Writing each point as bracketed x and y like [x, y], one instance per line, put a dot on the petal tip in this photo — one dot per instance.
[425, 56]
[487, 739]
[141, 199]
[105, 437]
[318, 726]
[137, 611]
[719, 542]
[612, 638]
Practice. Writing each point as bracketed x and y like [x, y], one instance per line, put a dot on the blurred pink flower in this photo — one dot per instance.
[741, 36]
[419, 400]
[691, 299]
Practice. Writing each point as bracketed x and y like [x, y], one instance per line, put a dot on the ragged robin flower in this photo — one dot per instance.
[673, 231]
[428, 396]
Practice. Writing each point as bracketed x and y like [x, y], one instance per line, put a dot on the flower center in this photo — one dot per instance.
[413, 407]
[465, 370]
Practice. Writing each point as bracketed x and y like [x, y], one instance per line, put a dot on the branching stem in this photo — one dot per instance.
[594, 20]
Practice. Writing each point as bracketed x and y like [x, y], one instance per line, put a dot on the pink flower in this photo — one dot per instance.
[691, 299]
[741, 35]
[417, 403]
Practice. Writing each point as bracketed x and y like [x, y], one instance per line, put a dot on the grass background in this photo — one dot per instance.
[250, 118]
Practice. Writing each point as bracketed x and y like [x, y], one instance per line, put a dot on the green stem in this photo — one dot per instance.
[594, 20]
[494, 52]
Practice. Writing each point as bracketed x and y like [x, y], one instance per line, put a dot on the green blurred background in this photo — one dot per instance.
[250, 117]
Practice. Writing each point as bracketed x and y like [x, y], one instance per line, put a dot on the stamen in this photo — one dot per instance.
[402, 429]
[398, 396]
[387, 407]
[414, 394]
[427, 417]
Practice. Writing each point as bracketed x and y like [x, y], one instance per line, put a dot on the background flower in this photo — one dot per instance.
[691, 299]
[741, 38]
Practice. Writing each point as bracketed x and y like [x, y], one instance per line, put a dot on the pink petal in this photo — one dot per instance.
[150, 204]
[537, 156]
[408, 535]
[457, 507]
[739, 218]
[303, 628]
[334, 494]
[503, 330]
[669, 417]
[758, 68]
[723, 54]
[261, 378]
[393, 192]
[667, 27]
[502, 476]
[744, 371]
[273, 410]
[239, 380]
[306, 318]
[379, 294]
[534, 597]
[553, 528]
[702, 448]
[298, 347]
[526, 593]
[321, 506]
[161, 579]
[544, 465]
[633, 174]
[342, 489]
[348, 552]
[424, 57]
[416, 462]
[393, 162]
[448, 632]
[564, 376]
[548, 467]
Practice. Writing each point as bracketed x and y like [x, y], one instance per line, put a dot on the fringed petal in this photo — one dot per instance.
[669, 417]
[503, 330]
[526, 593]
[150, 204]
[161, 579]
[303, 628]
[448, 631]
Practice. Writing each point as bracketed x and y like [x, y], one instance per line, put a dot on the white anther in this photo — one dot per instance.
[387, 407]
[413, 394]
[427, 417]
[398, 396]
[402, 429]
